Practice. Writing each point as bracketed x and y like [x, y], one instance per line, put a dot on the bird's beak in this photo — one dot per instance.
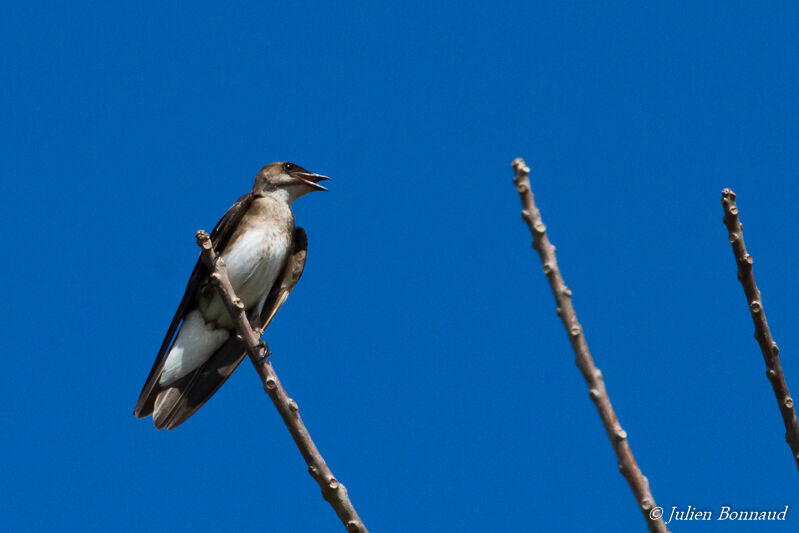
[311, 180]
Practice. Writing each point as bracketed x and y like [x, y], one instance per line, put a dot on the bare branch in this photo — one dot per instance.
[771, 353]
[333, 491]
[592, 375]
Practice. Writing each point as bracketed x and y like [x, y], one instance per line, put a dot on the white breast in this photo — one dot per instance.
[254, 261]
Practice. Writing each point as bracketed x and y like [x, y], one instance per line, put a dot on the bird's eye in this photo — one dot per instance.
[288, 167]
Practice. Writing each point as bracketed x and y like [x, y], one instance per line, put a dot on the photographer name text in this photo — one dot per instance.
[725, 513]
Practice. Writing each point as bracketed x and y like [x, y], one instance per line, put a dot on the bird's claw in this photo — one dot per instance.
[265, 352]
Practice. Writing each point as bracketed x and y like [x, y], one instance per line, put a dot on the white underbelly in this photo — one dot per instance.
[196, 343]
[254, 264]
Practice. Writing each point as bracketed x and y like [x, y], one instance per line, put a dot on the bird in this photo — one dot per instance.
[265, 257]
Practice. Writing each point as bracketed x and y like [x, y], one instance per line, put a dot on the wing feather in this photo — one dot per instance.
[219, 237]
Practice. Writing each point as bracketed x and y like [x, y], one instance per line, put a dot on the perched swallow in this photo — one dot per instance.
[265, 256]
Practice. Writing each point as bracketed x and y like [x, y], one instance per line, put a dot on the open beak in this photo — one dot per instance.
[311, 180]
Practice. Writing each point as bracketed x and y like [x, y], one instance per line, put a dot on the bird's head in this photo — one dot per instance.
[286, 180]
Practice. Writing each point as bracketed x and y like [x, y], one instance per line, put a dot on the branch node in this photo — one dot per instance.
[202, 238]
[293, 406]
[565, 291]
[755, 306]
[574, 331]
[620, 434]
[788, 402]
[519, 166]
[540, 228]
[271, 384]
[353, 526]
[547, 268]
[239, 304]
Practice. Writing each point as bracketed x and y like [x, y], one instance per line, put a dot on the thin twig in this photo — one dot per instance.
[592, 375]
[333, 491]
[771, 353]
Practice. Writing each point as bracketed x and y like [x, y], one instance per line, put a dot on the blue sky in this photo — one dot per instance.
[422, 344]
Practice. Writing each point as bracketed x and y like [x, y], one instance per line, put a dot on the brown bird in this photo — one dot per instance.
[265, 257]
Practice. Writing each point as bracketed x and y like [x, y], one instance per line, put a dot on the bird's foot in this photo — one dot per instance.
[265, 351]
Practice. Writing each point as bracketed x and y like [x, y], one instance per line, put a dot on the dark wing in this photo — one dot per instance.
[291, 275]
[223, 230]
[176, 404]
[219, 237]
